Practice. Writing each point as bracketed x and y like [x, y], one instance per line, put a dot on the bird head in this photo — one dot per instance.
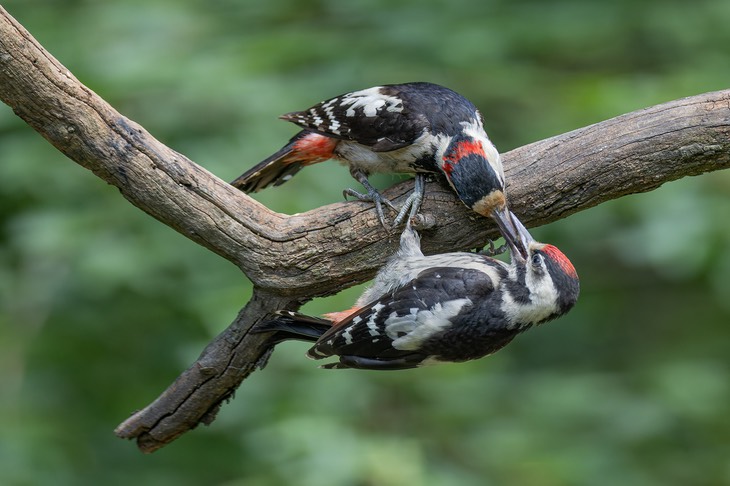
[473, 168]
[544, 278]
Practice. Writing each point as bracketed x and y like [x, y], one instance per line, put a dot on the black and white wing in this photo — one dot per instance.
[402, 330]
[387, 117]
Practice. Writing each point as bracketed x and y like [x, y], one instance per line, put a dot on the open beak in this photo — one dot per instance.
[514, 232]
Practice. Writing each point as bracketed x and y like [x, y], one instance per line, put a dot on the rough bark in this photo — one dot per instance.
[291, 259]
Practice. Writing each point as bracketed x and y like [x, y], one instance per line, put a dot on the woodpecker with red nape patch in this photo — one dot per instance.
[448, 307]
[416, 128]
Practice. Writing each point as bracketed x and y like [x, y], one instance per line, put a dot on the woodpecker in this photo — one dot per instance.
[449, 307]
[416, 128]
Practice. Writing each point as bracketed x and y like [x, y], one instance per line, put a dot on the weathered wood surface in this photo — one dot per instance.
[291, 259]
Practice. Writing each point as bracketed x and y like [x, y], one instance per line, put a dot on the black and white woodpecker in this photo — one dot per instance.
[449, 307]
[416, 128]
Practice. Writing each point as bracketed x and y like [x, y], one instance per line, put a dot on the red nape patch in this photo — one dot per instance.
[447, 167]
[312, 148]
[558, 257]
[461, 150]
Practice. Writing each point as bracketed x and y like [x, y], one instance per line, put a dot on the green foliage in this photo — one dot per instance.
[101, 306]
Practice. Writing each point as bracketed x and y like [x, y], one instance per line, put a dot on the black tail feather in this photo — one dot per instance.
[287, 325]
[272, 170]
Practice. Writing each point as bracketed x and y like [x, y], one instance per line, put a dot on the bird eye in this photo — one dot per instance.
[537, 259]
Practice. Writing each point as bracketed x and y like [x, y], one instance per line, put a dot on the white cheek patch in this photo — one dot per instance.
[542, 304]
[410, 331]
[440, 143]
[543, 292]
[475, 130]
[493, 159]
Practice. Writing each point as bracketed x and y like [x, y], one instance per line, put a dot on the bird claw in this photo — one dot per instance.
[413, 202]
[491, 251]
[376, 198]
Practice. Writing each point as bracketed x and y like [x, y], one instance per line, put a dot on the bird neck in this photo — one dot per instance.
[527, 298]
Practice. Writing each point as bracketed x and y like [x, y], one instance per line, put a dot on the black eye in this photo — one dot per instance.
[537, 259]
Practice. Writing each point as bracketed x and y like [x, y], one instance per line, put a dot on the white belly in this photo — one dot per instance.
[361, 157]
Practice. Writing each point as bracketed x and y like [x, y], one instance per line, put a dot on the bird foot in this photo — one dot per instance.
[372, 196]
[490, 250]
[412, 203]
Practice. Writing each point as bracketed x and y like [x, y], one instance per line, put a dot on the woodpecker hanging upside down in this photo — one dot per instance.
[401, 128]
[448, 307]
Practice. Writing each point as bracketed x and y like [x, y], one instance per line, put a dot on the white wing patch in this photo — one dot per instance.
[347, 335]
[373, 326]
[334, 124]
[372, 322]
[410, 331]
[543, 299]
[315, 117]
[371, 100]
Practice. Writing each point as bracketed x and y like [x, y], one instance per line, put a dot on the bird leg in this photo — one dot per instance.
[373, 195]
[413, 201]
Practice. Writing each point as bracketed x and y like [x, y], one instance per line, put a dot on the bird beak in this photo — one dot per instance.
[514, 232]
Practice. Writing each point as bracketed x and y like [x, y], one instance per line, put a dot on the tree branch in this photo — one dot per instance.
[291, 259]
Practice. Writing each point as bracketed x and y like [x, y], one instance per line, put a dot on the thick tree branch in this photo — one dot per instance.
[291, 259]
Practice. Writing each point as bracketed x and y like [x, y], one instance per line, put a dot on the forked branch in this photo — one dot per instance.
[291, 259]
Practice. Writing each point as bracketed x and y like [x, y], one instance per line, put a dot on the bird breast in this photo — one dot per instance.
[402, 160]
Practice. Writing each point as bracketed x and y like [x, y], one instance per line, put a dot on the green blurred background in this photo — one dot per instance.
[101, 306]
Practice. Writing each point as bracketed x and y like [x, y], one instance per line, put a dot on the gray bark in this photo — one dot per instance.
[291, 259]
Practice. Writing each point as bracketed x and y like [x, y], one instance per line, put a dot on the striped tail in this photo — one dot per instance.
[305, 148]
[287, 325]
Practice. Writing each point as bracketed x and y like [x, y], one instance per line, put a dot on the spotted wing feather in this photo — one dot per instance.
[388, 117]
[398, 327]
[370, 117]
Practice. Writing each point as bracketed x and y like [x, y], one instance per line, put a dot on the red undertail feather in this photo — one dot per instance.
[304, 149]
[311, 149]
[337, 317]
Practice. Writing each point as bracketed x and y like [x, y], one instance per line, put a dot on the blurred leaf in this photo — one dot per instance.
[101, 306]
